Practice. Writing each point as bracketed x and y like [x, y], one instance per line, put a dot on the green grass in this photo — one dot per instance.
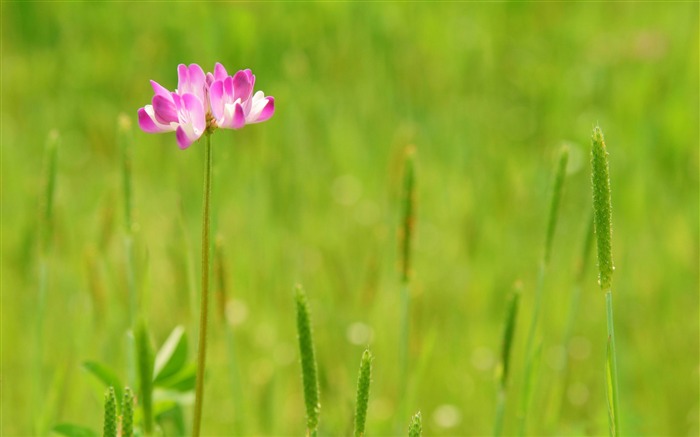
[486, 92]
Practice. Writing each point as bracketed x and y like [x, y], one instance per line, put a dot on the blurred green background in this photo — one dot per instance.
[486, 92]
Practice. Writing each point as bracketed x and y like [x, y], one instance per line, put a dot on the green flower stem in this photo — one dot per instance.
[203, 313]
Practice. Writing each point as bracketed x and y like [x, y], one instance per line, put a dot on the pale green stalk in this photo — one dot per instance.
[363, 382]
[204, 304]
[581, 269]
[602, 216]
[529, 375]
[309, 372]
[406, 233]
[221, 283]
[125, 145]
[125, 140]
[508, 331]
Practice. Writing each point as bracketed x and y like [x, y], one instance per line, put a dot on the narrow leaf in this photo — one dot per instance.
[172, 355]
[108, 377]
[144, 356]
[72, 430]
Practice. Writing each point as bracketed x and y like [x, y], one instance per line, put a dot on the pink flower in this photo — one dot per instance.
[233, 103]
[202, 102]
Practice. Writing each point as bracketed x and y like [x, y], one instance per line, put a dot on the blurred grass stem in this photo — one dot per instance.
[530, 352]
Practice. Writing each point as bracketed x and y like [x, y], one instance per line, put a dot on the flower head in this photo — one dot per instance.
[202, 102]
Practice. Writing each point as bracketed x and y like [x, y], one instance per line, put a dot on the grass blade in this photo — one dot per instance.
[506, 346]
[405, 237]
[108, 377]
[308, 362]
[144, 356]
[528, 378]
[72, 430]
[363, 383]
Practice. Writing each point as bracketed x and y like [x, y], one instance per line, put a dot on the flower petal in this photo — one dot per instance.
[238, 117]
[164, 109]
[220, 72]
[216, 99]
[159, 90]
[183, 140]
[229, 89]
[196, 111]
[267, 111]
[148, 124]
[183, 78]
[261, 108]
[242, 86]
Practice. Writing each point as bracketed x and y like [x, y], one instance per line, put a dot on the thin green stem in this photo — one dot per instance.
[203, 313]
[530, 352]
[615, 431]
[500, 409]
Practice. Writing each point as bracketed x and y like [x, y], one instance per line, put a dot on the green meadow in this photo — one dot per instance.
[484, 95]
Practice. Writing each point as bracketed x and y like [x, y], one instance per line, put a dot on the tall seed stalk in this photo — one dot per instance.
[530, 350]
[110, 418]
[415, 428]
[602, 217]
[309, 372]
[363, 382]
[506, 346]
[204, 303]
[405, 240]
[127, 413]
